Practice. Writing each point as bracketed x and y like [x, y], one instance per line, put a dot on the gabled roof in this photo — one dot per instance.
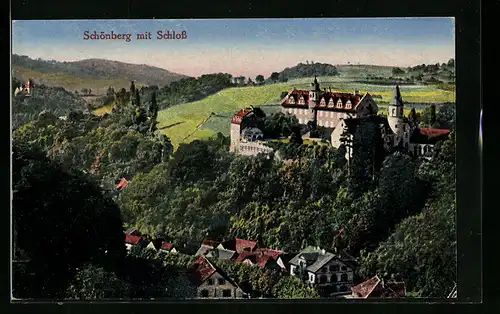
[364, 289]
[134, 240]
[239, 245]
[389, 289]
[259, 257]
[123, 183]
[133, 231]
[166, 246]
[315, 258]
[428, 135]
[201, 270]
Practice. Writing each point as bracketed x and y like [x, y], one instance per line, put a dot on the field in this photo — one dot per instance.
[186, 122]
[103, 110]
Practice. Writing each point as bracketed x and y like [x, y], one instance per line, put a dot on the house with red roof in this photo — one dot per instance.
[122, 184]
[239, 245]
[264, 258]
[167, 247]
[212, 282]
[247, 137]
[134, 240]
[377, 288]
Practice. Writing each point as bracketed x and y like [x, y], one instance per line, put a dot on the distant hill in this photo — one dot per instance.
[97, 74]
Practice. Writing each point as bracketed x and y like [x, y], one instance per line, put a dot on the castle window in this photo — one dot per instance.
[322, 102]
[393, 112]
[291, 100]
[301, 100]
[348, 105]
[331, 114]
[339, 103]
[295, 111]
[330, 103]
[327, 124]
[226, 293]
[204, 293]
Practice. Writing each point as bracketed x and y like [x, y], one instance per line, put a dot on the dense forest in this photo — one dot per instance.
[394, 209]
[307, 70]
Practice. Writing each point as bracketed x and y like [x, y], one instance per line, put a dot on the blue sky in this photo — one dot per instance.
[244, 46]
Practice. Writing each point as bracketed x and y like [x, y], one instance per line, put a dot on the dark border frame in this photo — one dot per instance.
[469, 186]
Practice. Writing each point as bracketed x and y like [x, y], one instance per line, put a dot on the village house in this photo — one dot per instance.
[239, 245]
[135, 240]
[377, 288]
[167, 247]
[206, 246]
[324, 269]
[264, 258]
[212, 282]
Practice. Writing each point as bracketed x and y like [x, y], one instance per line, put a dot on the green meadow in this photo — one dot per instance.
[187, 122]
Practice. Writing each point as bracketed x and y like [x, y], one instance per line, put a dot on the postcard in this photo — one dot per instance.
[234, 159]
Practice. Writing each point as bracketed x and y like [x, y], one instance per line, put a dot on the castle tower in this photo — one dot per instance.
[314, 94]
[396, 117]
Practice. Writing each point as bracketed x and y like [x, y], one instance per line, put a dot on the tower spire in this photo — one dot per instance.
[396, 99]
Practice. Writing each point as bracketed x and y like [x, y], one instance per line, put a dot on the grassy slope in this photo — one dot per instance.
[228, 101]
[69, 81]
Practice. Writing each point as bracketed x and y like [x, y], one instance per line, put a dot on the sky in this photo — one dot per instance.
[245, 47]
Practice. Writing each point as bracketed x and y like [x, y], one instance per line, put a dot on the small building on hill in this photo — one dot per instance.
[212, 282]
[247, 137]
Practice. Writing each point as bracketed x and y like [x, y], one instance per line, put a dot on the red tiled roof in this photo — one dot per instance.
[258, 258]
[123, 183]
[364, 289]
[431, 132]
[239, 245]
[133, 239]
[202, 269]
[167, 246]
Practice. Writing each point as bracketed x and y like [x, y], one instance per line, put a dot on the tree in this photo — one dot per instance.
[95, 283]
[259, 79]
[296, 137]
[412, 117]
[132, 88]
[432, 115]
[396, 71]
[110, 92]
[290, 287]
[153, 111]
[275, 76]
[451, 63]
[137, 99]
[84, 226]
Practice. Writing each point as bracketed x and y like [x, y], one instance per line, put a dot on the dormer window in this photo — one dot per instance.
[322, 102]
[330, 103]
[348, 105]
[301, 100]
[339, 103]
[291, 100]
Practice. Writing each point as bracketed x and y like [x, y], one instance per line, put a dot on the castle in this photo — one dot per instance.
[334, 115]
